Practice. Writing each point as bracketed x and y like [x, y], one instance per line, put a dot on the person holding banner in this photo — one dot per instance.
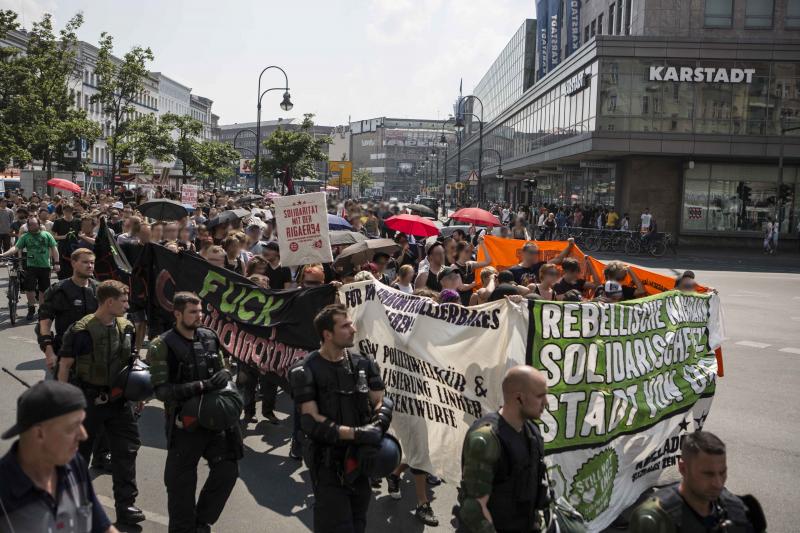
[343, 414]
[527, 271]
[504, 481]
[699, 502]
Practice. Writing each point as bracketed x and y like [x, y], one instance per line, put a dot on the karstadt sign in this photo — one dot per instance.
[702, 74]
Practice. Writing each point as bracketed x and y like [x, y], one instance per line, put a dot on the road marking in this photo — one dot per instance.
[752, 344]
[790, 350]
[105, 501]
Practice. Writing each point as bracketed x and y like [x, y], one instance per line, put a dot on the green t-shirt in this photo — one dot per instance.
[38, 248]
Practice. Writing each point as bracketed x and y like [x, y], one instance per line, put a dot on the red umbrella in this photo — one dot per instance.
[412, 225]
[477, 216]
[64, 185]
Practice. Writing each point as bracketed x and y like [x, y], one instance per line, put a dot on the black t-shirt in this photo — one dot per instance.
[62, 227]
[628, 292]
[523, 275]
[563, 286]
[502, 291]
[278, 277]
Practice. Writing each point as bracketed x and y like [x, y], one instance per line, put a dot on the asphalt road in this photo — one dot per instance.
[753, 413]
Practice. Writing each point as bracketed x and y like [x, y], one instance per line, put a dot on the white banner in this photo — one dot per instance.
[189, 194]
[442, 365]
[302, 227]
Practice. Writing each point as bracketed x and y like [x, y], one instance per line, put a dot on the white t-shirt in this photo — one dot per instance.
[646, 220]
[408, 289]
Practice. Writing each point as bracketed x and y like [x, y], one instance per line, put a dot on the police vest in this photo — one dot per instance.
[519, 486]
[342, 396]
[71, 303]
[111, 351]
[198, 359]
[727, 508]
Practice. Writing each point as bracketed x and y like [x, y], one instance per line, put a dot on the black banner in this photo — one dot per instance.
[264, 328]
[110, 262]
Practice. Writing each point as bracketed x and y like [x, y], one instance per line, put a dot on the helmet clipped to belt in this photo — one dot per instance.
[214, 410]
[133, 383]
[374, 461]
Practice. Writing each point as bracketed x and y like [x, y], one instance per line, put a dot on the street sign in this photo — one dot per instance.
[473, 177]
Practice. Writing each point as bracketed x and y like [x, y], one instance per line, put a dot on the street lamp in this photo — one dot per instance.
[286, 105]
[460, 128]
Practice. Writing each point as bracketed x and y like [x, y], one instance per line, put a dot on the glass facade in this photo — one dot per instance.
[510, 74]
[630, 101]
[736, 198]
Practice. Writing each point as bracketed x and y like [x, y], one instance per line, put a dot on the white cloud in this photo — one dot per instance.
[29, 11]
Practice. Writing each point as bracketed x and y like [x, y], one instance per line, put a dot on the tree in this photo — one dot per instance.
[186, 145]
[118, 86]
[147, 138]
[295, 151]
[215, 160]
[363, 178]
[13, 80]
[41, 116]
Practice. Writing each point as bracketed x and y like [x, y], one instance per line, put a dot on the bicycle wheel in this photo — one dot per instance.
[632, 246]
[592, 243]
[618, 244]
[13, 298]
[658, 248]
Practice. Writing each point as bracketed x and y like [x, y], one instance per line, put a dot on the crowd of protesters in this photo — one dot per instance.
[442, 268]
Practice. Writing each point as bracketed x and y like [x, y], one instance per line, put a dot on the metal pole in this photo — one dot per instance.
[480, 159]
[258, 120]
[458, 163]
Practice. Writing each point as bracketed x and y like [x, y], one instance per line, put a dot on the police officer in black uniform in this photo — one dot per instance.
[95, 350]
[186, 366]
[503, 481]
[340, 396]
[699, 503]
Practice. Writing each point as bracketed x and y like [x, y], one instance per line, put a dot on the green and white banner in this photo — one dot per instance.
[626, 383]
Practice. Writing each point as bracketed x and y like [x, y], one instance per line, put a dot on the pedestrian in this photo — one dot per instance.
[42, 256]
[65, 231]
[6, 219]
[44, 483]
[504, 479]
[699, 501]
[341, 400]
[645, 220]
[188, 372]
[280, 277]
[94, 351]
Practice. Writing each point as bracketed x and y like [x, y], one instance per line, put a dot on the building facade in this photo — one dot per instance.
[404, 156]
[201, 110]
[691, 125]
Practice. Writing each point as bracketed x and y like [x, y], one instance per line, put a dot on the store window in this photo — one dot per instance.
[792, 19]
[758, 14]
[719, 14]
[738, 198]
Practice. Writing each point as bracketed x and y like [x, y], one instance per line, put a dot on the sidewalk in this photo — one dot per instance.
[722, 259]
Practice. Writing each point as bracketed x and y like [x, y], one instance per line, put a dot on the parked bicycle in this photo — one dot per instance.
[15, 274]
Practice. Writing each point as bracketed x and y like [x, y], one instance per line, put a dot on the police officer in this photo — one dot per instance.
[699, 502]
[95, 350]
[65, 303]
[340, 397]
[186, 366]
[502, 461]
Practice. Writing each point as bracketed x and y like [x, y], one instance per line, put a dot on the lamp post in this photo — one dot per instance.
[286, 105]
[499, 172]
[460, 127]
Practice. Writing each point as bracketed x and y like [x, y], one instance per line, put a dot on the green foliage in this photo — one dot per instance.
[215, 160]
[363, 178]
[147, 138]
[118, 85]
[186, 146]
[295, 150]
[36, 103]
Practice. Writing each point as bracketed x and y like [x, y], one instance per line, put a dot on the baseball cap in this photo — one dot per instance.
[612, 287]
[44, 401]
[447, 271]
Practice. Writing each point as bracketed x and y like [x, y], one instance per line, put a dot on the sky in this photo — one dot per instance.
[345, 59]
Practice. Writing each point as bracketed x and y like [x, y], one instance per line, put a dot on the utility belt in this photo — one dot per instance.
[318, 456]
[234, 439]
[96, 395]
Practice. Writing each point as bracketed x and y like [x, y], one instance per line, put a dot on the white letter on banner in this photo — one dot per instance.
[547, 357]
[570, 320]
[619, 406]
[574, 363]
[571, 399]
[591, 323]
[551, 317]
[595, 415]
[550, 429]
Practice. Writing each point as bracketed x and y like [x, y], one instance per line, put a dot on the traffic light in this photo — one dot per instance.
[743, 191]
[784, 194]
[124, 165]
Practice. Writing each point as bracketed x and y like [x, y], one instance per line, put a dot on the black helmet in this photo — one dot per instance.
[381, 460]
[133, 383]
[216, 410]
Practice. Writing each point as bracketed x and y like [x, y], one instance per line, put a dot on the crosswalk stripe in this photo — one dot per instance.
[753, 344]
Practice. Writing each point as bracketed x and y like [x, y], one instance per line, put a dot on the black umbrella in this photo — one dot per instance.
[226, 217]
[341, 237]
[163, 209]
[423, 209]
[364, 251]
[250, 198]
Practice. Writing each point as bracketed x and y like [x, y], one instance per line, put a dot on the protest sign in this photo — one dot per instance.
[267, 329]
[442, 365]
[189, 194]
[302, 226]
[627, 382]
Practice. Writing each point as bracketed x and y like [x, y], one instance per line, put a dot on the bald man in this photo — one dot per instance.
[503, 480]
